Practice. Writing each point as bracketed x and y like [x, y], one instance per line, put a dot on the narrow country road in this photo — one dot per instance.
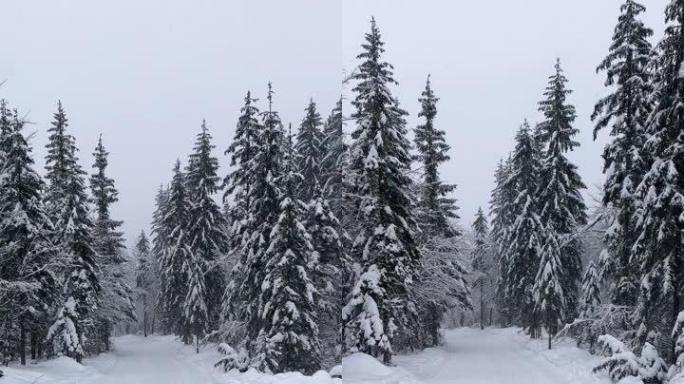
[158, 359]
[150, 360]
[500, 356]
[134, 360]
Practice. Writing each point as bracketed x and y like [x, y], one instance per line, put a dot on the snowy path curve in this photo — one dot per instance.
[500, 356]
[155, 360]
[134, 360]
[493, 356]
[151, 360]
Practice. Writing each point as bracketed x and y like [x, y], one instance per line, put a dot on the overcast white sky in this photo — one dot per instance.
[145, 73]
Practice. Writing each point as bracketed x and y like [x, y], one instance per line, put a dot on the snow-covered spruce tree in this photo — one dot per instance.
[109, 241]
[195, 312]
[658, 252]
[145, 281]
[480, 261]
[289, 299]
[548, 294]
[207, 226]
[243, 295]
[309, 150]
[624, 111]
[242, 151]
[561, 207]
[501, 202]
[30, 286]
[174, 256]
[59, 162]
[525, 236]
[333, 161]
[237, 197]
[160, 244]
[435, 209]
[73, 227]
[332, 272]
[435, 213]
[591, 293]
[380, 306]
[116, 298]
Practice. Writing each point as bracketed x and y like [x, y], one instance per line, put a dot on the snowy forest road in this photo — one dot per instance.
[134, 360]
[468, 356]
[150, 360]
[500, 356]
[158, 359]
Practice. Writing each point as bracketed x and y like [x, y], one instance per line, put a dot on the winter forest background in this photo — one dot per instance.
[531, 184]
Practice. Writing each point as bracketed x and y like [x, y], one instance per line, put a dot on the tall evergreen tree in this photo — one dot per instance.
[31, 285]
[117, 302]
[69, 203]
[145, 278]
[160, 243]
[435, 209]
[207, 226]
[525, 236]
[173, 259]
[239, 186]
[110, 241]
[479, 261]
[289, 298]
[379, 189]
[659, 218]
[245, 290]
[435, 212]
[561, 207]
[242, 151]
[624, 111]
[59, 162]
[501, 202]
[309, 149]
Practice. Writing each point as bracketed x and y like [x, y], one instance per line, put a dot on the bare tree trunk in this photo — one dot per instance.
[482, 311]
[106, 335]
[32, 341]
[22, 343]
[144, 322]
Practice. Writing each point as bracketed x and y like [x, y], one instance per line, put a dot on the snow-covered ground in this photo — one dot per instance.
[152, 360]
[472, 356]
[469, 356]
